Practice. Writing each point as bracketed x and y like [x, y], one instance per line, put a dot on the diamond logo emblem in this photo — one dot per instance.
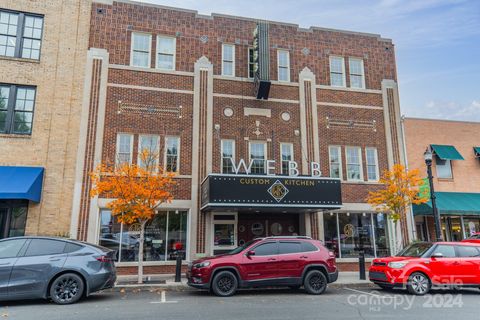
[278, 191]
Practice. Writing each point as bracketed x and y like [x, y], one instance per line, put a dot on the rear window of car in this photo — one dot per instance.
[10, 248]
[468, 251]
[42, 247]
[308, 247]
[72, 247]
[286, 247]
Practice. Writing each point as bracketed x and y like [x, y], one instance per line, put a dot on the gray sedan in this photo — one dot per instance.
[59, 269]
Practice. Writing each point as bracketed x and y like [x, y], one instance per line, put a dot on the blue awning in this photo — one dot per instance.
[21, 183]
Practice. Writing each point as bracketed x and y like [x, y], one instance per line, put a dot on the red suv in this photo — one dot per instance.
[423, 264]
[272, 261]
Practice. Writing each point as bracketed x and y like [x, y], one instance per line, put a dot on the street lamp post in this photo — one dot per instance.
[428, 155]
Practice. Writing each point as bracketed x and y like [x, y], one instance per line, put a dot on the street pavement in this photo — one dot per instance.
[346, 302]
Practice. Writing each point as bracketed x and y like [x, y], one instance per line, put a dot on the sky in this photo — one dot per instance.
[437, 42]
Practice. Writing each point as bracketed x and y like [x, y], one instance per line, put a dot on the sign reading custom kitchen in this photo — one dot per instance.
[244, 190]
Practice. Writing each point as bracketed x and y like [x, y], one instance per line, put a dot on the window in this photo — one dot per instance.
[258, 152]
[224, 232]
[148, 149]
[72, 247]
[283, 59]
[308, 247]
[228, 60]
[354, 164]
[172, 154]
[43, 247]
[251, 64]
[13, 217]
[16, 109]
[444, 168]
[289, 247]
[124, 148]
[465, 251]
[446, 250]
[372, 164]
[140, 53]
[286, 150]
[11, 248]
[166, 53]
[165, 236]
[228, 155]
[335, 155]
[266, 249]
[20, 35]
[337, 71]
[357, 76]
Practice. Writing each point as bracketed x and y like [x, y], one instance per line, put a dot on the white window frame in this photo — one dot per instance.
[178, 153]
[118, 147]
[377, 171]
[149, 49]
[264, 152]
[250, 63]
[350, 59]
[140, 144]
[290, 146]
[235, 230]
[221, 153]
[347, 163]
[447, 163]
[343, 71]
[339, 150]
[233, 59]
[278, 65]
[159, 52]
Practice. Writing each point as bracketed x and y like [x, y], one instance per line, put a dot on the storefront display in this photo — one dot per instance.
[13, 217]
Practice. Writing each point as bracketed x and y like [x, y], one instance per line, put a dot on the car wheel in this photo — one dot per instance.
[66, 289]
[224, 284]
[418, 284]
[315, 282]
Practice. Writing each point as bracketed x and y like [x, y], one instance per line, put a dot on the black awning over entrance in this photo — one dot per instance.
[230, 191]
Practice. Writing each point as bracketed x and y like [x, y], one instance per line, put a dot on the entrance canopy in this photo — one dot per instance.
[21, 183]
[451, 203]
[446, 152]
[232, 191]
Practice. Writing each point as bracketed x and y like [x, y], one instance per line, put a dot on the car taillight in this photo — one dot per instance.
[104, 259]
[331, 254]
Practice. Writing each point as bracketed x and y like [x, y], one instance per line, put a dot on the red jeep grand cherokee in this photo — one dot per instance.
[272, 261]
[423, 264]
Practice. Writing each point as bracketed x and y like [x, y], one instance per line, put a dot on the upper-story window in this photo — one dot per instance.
[286, 150]
[148, 150]
[337, 71]
[372, 164]
[172, 154]
[354, 163]
[258, 153]
[357, 73]
[166, 47]
[251, 64]
[335, 155]
[124, 148]
[16, 109]
[140, 51]
[444, 168]
[283, 59]
[228, 155]
[20, 34]
[228, 60]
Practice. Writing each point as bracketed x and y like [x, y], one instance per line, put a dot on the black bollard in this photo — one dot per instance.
[361, 265]
[178, 269]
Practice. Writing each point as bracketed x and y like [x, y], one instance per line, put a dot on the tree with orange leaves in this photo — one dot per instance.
[138, 190]
[401, 189]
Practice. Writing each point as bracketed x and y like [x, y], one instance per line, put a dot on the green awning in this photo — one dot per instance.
[477, 151]
[451, 203]
[446, 152]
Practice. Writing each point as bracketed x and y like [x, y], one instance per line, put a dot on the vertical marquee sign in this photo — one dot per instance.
[261, 60]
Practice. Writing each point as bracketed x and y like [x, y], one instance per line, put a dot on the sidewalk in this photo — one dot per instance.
[167, 281]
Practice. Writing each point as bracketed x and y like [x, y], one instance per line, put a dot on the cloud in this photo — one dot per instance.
[449, 110]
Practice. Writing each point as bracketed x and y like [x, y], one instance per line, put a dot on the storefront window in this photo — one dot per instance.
[381, 234]
[13, 218]
[471, 226]
[331, 238]
[165, 236]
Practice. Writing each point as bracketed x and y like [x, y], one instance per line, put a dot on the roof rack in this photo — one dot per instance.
[288, 237]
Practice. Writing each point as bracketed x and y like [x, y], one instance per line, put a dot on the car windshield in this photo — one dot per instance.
[415, 249]
[241, 248]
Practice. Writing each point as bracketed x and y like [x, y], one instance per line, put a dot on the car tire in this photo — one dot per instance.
[418, 284]
[67, 288]
[224, 284]
[315, 282]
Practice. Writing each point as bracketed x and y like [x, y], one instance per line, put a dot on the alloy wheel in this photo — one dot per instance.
[316, 283]
[66, 289]
[225, 284]
[419, 283]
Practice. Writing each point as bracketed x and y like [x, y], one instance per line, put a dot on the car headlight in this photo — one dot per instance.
[397, 265]
[201, 264]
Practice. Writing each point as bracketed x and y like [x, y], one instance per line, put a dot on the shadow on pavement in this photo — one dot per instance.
[95, 297]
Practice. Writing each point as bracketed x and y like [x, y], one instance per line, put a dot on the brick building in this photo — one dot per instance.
[181, 84]
[456, 172]
[42, 58]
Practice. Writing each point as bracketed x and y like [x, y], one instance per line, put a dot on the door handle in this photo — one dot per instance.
[54, 259]
[303, 257]
[272, 259]
[456, 263]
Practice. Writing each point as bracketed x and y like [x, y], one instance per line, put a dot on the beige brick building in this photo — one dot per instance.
[43, 48]
[456, 174]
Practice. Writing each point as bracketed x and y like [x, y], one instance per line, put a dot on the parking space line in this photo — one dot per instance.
[163, 299]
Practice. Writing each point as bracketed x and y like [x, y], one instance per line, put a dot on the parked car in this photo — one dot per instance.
[474, 238]
[422, 265]
[59, 269]
[272, 261]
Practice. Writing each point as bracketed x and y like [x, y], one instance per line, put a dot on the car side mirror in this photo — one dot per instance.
[250, 253]
[437, 255]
